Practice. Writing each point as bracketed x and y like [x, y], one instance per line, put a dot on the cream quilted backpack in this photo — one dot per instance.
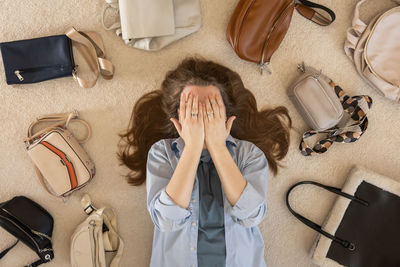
[375, 50]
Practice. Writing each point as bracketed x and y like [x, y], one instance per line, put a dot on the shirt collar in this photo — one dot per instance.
[178, 144]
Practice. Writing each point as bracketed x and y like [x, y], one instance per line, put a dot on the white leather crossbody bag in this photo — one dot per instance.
[95, 242]
[61, 164]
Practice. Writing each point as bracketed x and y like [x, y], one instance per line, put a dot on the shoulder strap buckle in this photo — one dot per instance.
[87, 204]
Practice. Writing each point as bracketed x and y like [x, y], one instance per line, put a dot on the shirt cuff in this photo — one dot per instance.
[169, 209]
[248, 204]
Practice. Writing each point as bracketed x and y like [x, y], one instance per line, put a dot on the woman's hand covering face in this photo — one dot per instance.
[203, 123]
[190, 125]
[216, 126]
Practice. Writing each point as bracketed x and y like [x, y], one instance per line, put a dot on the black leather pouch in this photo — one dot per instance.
[36, 60]
[29, 223]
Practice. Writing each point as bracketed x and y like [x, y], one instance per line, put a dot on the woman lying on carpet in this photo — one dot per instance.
[206, 188]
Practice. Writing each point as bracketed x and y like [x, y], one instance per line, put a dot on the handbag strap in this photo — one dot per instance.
[348, 134]
[113, 240]
[60, 120]
[5, 251]
[317, 227]
[307, 10]
[34, 264]
[111, 221]
[90, 45]
[111, 4]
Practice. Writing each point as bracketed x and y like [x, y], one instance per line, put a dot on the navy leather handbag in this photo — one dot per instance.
[36, 60]
[45, 58]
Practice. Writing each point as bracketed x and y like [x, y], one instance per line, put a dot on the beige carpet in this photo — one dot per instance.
[108, 106]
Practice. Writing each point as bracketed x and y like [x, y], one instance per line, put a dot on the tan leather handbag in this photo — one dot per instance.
[375, 50]
[61, 164]
[95, 241]
[257, 27]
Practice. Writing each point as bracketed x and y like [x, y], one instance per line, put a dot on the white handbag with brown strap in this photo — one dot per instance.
[375, 50]
[153, 24]
[60, 162]
[95, 242]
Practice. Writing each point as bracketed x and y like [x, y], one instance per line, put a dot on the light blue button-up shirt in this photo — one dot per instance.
[176, 228]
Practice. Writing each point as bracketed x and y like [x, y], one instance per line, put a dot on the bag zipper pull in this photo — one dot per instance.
[264, 66]
[19, 76]
[317, 75]
[301, 67]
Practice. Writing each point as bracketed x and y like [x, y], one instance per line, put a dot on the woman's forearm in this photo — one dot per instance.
[180, 187]
[231, 178]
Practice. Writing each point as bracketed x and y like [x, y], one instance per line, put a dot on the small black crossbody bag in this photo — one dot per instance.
[29, 223]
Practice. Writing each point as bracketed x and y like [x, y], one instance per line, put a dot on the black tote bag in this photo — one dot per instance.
[363, 228]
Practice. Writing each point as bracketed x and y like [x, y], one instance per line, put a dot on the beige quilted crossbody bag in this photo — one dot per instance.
[61, 164]
[375, 50]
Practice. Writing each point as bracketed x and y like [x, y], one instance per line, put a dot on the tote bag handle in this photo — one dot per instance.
[315, 226]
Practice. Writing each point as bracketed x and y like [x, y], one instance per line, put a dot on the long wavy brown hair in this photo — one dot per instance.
[268, 129]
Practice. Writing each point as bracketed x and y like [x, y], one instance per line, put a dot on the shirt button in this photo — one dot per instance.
[194, 224]
[194, 200]
[192, 248]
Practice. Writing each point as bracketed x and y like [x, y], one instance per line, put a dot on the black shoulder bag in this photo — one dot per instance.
[29, 223]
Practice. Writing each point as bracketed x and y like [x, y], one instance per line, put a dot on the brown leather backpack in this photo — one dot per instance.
[257, 27]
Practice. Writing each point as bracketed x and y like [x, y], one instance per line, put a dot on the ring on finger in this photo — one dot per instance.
[194, 114]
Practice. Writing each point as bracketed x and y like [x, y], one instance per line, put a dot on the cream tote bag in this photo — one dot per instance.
[153, 24]
[374, 48]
